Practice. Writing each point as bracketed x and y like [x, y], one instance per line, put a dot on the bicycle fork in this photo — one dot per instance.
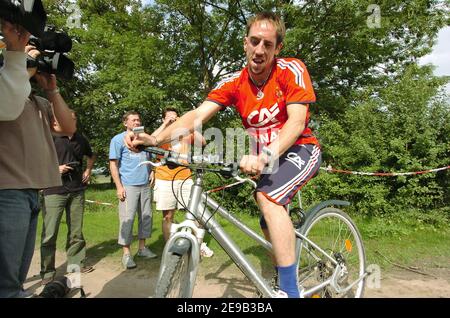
[185, 237]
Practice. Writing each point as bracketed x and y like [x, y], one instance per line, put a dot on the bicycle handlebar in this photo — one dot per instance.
[194, 162]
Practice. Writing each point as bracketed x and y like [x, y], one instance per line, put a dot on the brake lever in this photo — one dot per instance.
[151, 163]
[253, 183]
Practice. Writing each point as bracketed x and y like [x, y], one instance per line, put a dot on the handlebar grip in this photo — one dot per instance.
[155, 150]
[230, 170]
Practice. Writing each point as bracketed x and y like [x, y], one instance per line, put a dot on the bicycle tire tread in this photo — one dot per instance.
[166, 281]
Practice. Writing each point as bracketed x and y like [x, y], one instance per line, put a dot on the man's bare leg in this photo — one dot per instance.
[281, 233]
[167, 222]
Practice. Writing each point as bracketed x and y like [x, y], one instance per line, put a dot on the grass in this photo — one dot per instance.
[402, 241]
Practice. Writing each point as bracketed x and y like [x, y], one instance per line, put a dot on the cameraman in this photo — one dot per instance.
[14, 79]
[28, 162]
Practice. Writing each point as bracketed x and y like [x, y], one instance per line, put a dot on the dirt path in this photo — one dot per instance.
[225, 281]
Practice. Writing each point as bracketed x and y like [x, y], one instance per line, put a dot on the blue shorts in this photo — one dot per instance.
[295, 167]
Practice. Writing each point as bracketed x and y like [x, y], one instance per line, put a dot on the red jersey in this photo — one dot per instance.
[264, 111]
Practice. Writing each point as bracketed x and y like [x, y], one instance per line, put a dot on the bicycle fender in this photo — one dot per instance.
[325, 204]
[181, 246]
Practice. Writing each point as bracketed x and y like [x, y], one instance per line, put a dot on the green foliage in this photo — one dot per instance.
[408, 237]
[394, 130]
[376, 110]
[238, 199]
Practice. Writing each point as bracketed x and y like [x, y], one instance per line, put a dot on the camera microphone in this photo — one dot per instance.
[54, 41]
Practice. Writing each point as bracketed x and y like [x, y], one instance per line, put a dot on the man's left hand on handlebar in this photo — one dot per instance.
[253, 165]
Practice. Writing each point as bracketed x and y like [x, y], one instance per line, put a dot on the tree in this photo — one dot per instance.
[173, 52]
[403, 127]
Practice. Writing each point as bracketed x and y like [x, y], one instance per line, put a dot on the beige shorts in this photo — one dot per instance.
[165, 198]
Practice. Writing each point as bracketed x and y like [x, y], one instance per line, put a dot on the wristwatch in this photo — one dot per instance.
[269, 164]
[268, 153]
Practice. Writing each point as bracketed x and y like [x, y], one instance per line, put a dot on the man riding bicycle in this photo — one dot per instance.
[272, 95]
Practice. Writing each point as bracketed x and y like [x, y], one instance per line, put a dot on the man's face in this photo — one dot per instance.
[260, 47]
[170, 117]
[132, 121]
[57, 126]
[12, 33]
[5, 27]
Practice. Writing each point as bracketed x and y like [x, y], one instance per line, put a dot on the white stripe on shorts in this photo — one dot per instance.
[278, 194]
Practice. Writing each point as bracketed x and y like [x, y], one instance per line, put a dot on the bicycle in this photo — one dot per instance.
[330, 265]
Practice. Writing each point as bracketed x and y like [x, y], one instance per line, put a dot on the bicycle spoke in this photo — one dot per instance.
[335, 234]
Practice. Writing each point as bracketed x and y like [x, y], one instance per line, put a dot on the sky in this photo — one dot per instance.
[440, 55]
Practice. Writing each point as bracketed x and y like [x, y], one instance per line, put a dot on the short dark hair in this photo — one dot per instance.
[169, 109]
[274, 19]
[129, 113]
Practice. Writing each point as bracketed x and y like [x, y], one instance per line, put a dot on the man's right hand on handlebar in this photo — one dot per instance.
[134, 142]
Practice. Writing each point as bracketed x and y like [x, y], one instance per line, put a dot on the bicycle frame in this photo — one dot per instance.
[187, 236]
[249, 271]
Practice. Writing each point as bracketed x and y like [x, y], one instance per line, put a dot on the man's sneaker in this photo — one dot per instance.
[46, 280]
[280, 294]
[127, 261]
[25, 293]
[83, 270]
[274, 282]
[145, 252]
[87, 269]
[205, 251]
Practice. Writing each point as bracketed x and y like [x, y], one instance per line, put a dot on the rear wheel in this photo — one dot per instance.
[335, 233]
[174, 281]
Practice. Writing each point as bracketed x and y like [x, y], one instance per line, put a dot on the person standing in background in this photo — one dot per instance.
[71, 149]
[133, 191]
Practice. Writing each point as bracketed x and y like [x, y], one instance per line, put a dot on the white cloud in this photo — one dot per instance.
[441, 54]
[440, 57]
[147, 2]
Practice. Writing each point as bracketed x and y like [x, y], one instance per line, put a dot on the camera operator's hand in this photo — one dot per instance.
[15, 36]
[46, 81]
[34, 53]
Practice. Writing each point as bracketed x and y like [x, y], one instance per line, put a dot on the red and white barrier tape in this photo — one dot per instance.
[383, 174]
[98, 202]
[331, 170]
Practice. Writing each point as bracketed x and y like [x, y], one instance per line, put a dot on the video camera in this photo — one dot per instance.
[31, 15]
[28, 13]
[52, 59]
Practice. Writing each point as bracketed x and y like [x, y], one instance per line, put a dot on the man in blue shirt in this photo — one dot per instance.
[133, 191]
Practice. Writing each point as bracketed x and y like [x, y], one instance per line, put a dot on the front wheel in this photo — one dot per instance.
[337, 235]
[174, 281]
